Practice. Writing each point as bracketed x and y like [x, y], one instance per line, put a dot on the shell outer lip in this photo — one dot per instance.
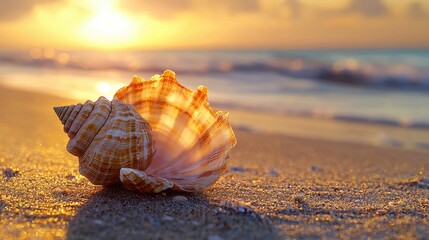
[159, 83]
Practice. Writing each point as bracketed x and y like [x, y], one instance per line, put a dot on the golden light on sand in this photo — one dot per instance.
[108, 28]
[35, 53]
[63, 58]
[48, 52]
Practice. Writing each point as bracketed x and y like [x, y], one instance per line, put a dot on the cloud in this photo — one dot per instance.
[238, 5]
[294, 7]
[416, 10]
[159, 9]
[369, 8]
[164, 9]
[11, 10]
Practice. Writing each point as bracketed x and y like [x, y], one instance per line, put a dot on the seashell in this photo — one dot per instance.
[192, 140]
[106, 136]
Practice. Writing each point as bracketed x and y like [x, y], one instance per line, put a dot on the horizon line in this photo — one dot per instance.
[3, 49]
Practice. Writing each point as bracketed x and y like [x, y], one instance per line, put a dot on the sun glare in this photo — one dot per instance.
[108, 28]
[103, 87]
[106, 89]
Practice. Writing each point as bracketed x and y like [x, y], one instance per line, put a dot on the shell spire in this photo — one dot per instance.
[63, 112]
[106, 136]
[58, 110]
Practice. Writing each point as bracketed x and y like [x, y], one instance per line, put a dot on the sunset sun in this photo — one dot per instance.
[107, 27]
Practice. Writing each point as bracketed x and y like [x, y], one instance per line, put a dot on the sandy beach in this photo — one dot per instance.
[279, 186]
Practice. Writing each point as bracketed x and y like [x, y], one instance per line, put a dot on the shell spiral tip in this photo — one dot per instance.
[58, 110]
[61, 111]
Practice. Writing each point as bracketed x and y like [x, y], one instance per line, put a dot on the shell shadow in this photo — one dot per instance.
[116, 213]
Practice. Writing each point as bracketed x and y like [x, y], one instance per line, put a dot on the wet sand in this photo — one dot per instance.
[278, 186]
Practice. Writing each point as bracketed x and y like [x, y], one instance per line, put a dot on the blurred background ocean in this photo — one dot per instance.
[353, 69]
[370, 86]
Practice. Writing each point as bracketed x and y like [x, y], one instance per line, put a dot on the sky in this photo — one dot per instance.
[214, 24]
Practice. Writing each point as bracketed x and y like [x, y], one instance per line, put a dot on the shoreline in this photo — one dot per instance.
[277, 186]
[371, 134]
[310, 127]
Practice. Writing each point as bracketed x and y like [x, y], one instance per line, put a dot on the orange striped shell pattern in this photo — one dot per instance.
[154, 135]
[192, 139]
[106, 136]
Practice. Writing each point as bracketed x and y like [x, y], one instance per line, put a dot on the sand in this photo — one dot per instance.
[278, 186]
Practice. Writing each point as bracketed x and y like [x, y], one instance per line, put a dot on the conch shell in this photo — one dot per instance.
[106, 137]
[192, 140]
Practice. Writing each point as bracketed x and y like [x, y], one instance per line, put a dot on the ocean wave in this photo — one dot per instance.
[346, 70]
[311, 85]
[320, 114]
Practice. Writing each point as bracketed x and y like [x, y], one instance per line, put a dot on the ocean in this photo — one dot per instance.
[388, 87]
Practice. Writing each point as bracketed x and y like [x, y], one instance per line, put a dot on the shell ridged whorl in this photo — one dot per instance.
[106, 136]
[193, 140]
[115, 141]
